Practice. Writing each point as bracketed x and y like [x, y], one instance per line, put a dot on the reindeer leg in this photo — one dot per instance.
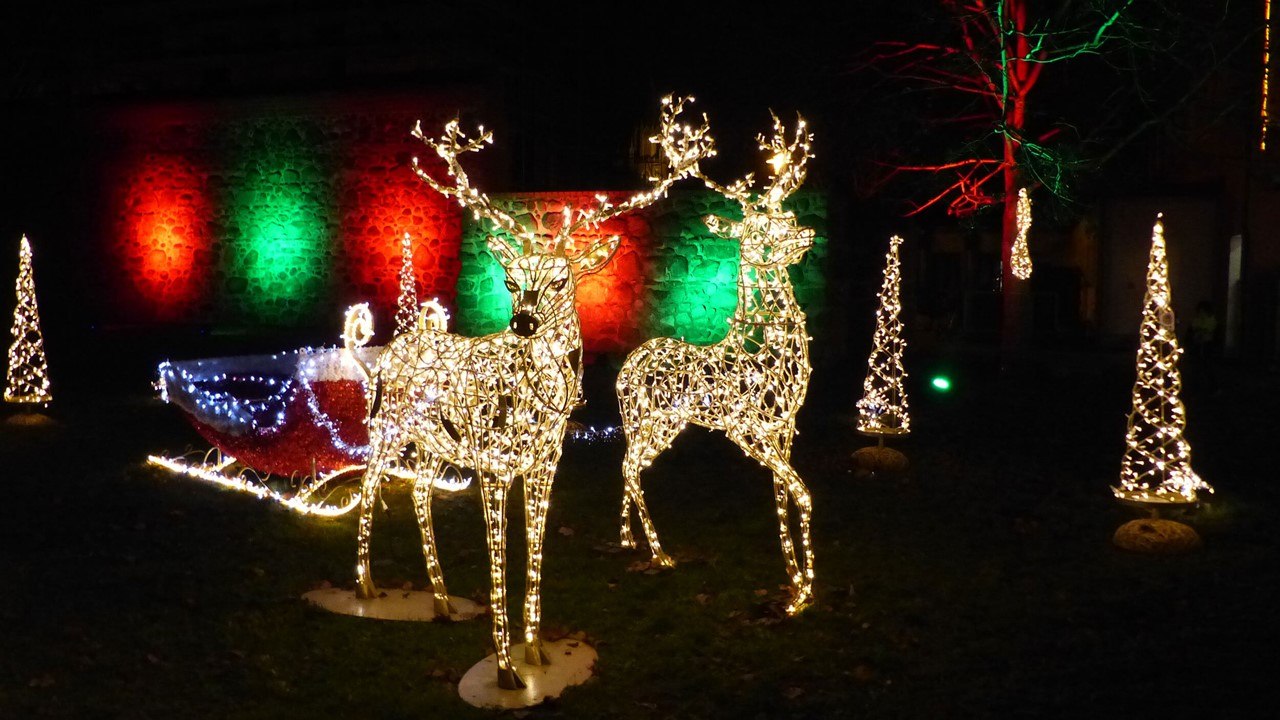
[429, 468]
[788, 488]
[365, 588]
[537, 496]
[644, 444]
[493, 493]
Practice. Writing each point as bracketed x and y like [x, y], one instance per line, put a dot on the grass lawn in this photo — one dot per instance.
[982, 584]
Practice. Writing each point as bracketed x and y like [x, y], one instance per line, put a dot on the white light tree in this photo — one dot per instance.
[883, 407]
[28, 377]
[407, 303]
[1157, 459]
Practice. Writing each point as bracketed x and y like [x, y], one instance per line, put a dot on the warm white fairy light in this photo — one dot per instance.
[407, 303]
[883, 408]
[28, 377]
[499, 405]
[1264, 113]
[1157, 459]
[752, 383]
[1020, 256]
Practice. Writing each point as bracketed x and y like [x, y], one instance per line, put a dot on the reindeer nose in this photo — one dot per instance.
[524, 324]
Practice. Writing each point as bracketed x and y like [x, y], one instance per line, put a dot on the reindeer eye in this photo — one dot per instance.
[512, 286]
[558, 285]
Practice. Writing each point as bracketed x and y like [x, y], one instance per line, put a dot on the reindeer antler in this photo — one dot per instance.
[450, 145]
[684, 146]
[788, 160]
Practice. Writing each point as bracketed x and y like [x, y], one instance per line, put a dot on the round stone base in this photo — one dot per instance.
[1156, 536]
[413, 605]
[570, 663]
[30, 418]
[879, 461]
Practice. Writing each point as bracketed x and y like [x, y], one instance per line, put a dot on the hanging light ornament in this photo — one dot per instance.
[28, 378]
[1020, 257]
[1156, 467]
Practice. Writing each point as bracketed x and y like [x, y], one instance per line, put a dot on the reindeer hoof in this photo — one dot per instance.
[661, 559]
[366, 591]
[509, 679]
[535, 655]
[443, 607]
[799, 602]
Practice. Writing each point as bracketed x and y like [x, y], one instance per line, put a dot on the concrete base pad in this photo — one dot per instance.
[1155, 536]
[415, 605]
[570, 664]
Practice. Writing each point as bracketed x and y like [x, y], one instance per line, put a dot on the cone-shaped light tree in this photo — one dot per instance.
[28, 377]
[407, 303]
[1157, 459]
[883, 407]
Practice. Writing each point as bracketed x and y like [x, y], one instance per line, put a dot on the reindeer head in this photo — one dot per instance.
[540, 272]
[542, 283]
[769, 236]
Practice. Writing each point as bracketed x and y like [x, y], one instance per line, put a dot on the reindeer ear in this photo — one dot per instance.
[502, 250]
[724, 228]
[597, 255]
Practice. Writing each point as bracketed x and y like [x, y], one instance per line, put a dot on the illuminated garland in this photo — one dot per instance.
[1156, 467]
[407, 303]
[1020, 257]
[752, 383]
[28, 377]
[499, 404]
[883, 407]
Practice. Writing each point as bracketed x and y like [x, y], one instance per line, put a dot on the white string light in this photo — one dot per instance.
[883, 407]
[1020, 256]
[752, 383]
[28, 377]
[1156, 467]
[499, 404]
[407, 303]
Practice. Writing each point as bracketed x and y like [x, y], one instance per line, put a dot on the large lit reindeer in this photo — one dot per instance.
[751, 383]
[499, 404]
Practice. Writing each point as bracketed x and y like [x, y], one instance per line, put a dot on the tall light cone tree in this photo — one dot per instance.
[28, 377]
[883, 407]
[1157, 459]
[407, 303]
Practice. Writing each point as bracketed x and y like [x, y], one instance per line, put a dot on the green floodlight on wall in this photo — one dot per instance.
[941, 383]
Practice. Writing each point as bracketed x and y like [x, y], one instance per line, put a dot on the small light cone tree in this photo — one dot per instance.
[1156, 468]
[883, 408]
[407, 303]
[28, 377]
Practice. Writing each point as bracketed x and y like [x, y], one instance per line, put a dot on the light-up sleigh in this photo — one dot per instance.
[288, 427]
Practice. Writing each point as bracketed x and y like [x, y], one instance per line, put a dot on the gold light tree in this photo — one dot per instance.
[752, 383]
[1156, 468]
[28, 378]
[1020, 256]
[499, 404]
[883, 407]
[407, 303]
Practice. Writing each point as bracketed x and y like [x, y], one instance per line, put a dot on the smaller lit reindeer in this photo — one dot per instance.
[499, 404]
[750, 384]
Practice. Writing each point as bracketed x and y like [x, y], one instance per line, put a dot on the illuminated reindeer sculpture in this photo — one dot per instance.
[751, 383]
[499, 404]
